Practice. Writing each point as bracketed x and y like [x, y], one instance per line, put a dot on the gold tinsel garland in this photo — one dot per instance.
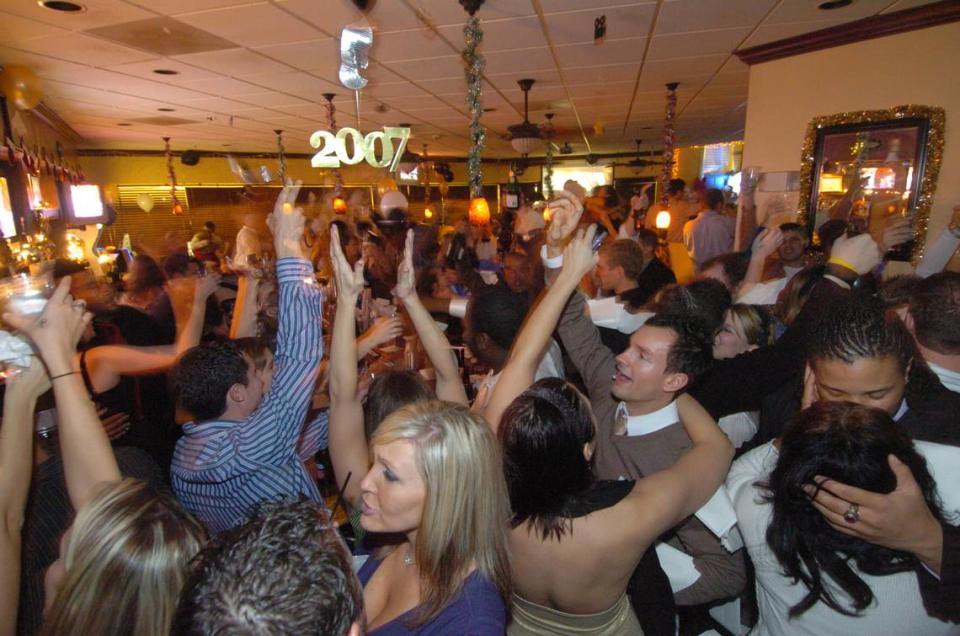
[934, 154]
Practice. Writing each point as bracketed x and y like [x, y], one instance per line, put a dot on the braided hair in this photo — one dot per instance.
[859, 327]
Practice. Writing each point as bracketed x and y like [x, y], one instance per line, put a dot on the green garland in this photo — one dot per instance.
[474, 68]
[548, 170]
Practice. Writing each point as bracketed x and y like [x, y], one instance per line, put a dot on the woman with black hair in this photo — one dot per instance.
[811, 578]
[576, 541]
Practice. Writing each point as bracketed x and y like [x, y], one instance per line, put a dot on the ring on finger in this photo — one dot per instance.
[852, 515]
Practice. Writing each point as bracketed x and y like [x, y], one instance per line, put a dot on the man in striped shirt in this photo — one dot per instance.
[242, 448]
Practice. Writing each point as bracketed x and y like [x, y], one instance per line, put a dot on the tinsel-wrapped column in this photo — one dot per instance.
[669, 139]
[332, 127]
[474, 69]
[174, 203]
[282, 160]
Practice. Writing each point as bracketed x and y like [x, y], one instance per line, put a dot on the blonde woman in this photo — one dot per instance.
[123, 560]
[434, 490]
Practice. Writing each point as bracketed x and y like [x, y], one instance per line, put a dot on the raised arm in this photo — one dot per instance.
[87, 457]
[16, 465]
[348, 443]
[436, 345]
[672, 495]
[764, 246]
[244, 322]
[532, 341]
[107, 363]
[272, 430]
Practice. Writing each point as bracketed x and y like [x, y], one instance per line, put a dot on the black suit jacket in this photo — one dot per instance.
[655, 276]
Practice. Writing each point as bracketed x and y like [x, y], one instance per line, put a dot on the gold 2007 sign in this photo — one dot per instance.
[333, 148]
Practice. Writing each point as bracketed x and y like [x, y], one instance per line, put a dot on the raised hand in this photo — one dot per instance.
[31, 382]
[859, 253]
[115, 425]
[206, 286]
[286, 223]
[57, 330]
[767, 242]
[384, 329]
[579, 258]
[898, 231]
[349, 280]
[565, 212]
[406, 275]
[899, 520]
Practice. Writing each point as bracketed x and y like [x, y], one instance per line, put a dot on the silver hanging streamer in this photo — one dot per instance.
[355, 43]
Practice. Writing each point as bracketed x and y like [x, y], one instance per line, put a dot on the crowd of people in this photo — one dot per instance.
[375, 426]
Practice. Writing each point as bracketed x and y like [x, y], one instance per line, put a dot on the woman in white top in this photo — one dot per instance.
[811, 578]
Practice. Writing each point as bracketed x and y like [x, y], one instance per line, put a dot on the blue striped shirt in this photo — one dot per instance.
[223, 469]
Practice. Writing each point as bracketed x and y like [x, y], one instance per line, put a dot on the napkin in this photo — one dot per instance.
[14, 350]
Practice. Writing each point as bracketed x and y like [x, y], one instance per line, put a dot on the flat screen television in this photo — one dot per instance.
[83, 205]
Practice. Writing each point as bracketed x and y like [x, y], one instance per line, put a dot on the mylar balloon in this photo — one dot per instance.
[21, 87]
[145, 202]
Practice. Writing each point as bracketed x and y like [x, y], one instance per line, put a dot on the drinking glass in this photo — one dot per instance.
[24, 295]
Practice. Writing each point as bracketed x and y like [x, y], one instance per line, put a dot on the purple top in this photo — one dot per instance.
[476, 611]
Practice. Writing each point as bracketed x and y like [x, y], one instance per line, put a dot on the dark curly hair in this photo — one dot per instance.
[204, 374]
[286, 571]
[848, 443]
[542, 434]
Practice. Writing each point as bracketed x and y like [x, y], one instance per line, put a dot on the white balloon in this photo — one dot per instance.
[145, 202]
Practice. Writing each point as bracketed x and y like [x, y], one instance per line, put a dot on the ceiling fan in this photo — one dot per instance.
[638, 161]
[525, 137]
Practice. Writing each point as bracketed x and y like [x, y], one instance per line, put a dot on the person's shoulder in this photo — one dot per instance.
[477, 611]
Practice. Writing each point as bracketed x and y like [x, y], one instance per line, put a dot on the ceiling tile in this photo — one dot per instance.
[442, 67]
[501, 35]
[217, 85]
[576, 27]
[251, 25]
[235, 63]
[174, 7]
[319, 55]
[721, 41]
[83, 49]
[98, 13]
[528, 61]
[185, 72]
[409, 45]
[680, 16]
[14, 29]
[808, 12]
[590, 54]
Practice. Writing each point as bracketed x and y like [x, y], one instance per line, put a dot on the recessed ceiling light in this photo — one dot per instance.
[62, 5]
[165, 71]
[123, 123]
[830, 5]
[167, 110]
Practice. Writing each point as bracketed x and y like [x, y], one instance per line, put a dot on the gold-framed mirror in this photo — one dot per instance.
[863, 167]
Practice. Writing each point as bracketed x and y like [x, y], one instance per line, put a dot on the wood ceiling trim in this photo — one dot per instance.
[921, 17]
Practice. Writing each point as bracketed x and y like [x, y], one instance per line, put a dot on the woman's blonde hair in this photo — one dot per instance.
[466, 509]
[755, 323]
[126, 561]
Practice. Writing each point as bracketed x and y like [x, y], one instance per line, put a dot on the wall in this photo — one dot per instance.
[919, 67]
